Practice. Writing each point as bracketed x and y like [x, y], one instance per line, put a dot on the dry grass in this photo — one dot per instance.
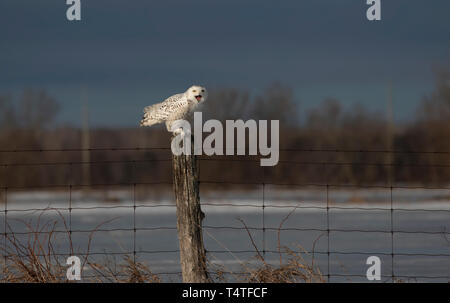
[130, 271]
[34, 259]
[295, 270]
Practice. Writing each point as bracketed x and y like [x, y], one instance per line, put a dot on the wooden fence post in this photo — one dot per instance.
[189, 219]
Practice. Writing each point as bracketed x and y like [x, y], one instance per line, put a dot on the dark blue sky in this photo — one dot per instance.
[128, 54]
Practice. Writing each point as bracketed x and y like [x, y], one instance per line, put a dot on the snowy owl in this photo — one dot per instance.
[174, 108]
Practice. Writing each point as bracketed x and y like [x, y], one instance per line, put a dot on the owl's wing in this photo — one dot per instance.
[158, 113]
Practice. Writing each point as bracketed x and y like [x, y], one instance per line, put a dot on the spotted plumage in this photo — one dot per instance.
[174, 108]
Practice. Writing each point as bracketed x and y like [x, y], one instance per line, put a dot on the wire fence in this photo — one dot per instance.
[267, 202]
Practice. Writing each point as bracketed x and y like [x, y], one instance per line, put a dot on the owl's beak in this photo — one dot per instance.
[199, 97]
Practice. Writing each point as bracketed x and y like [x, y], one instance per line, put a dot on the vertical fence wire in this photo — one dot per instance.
[70, 205]
[263, 212]
[325, 170]
[328, 235]
[70, 220]
[264, 219]
[5, 225]
[5, 214]
[134, 210]
[392, 234]
[70, 209]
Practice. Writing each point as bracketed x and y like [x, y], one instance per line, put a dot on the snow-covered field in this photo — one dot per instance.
[359, 222]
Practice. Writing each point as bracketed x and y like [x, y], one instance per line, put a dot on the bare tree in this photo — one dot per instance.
[37, 110]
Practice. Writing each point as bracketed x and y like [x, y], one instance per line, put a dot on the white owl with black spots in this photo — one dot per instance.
[174, 108]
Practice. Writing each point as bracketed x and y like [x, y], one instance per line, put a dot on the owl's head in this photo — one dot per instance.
[197, 93]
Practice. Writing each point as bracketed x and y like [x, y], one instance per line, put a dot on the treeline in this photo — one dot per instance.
[332, 145]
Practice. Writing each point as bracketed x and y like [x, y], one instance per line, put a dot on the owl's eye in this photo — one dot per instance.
[194, 91]
[203, 90]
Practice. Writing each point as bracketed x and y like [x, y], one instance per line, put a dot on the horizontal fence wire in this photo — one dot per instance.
[328, 230]
[332, 150]
[217, 182]
[224, 160]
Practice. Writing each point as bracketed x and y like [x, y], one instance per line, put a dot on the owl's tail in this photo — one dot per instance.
[150, 118]
[146, 121]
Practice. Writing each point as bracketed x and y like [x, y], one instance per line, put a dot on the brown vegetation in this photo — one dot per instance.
[31, 125]
[35, 259]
